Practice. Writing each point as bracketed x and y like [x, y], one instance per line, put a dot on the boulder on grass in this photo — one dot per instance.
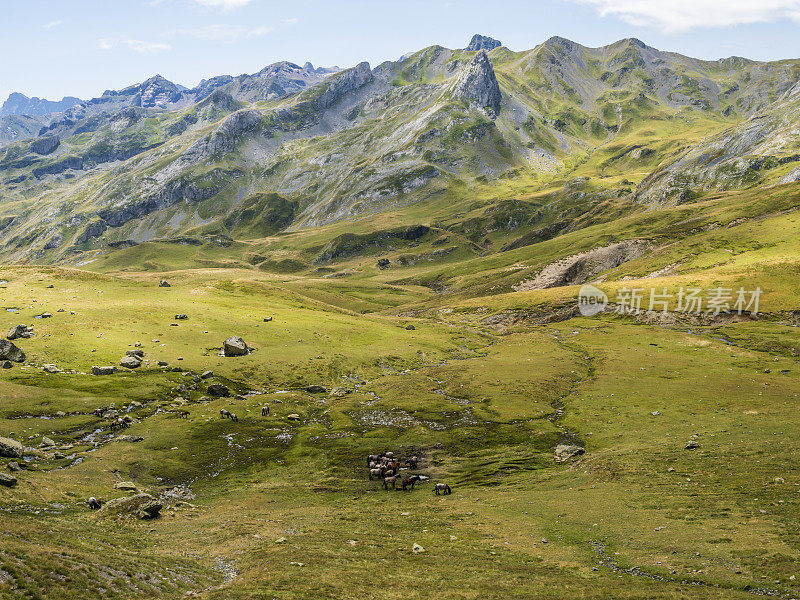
[52, 369]
[235, 346]
[7, 480]
[19, 331]
[316, 389]
[219, 390]
[131, 505]
[103, 370]
[164, 283]
[8, 351]
[131, 362]
[10, 448]
[150, 510]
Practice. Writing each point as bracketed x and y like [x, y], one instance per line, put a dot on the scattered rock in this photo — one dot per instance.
[383, 263]
[181, 317]
[138, 353]
[417, 549]
[6, 364]
[129, 438]
[103, 370]
[206, 374]
[10, 448]
[267, 319]
[693, 445]
[163, 363]
[7, 480]
[656, 413]
[130, 505]
[8, 351]
[164, 283]
[131, 362]
[219, 390]
[293, 417]
[316, 389]
[47, 442]
[564, 452]
[410, 327]
[340, 391]
[13, 466]
[235, 346]
[44, 315]
[51, 369]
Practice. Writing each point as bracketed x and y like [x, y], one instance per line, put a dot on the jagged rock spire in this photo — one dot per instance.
[482, 42]
[477, 83]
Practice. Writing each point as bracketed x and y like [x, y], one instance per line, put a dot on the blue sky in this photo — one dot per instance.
[53, 48]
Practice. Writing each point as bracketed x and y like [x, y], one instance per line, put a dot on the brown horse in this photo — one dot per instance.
[264, 411]
[409, 481]
[390, 480]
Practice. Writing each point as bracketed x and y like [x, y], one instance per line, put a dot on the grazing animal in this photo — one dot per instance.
[234, 417]
[264, 411]
[412, 462]
[119, 424]
[225, 414]
[409, 481]
[183, 414]
[388, 480]
[373, 458]
[389, 455]
[98, 412]
[94, 503]
[442, 488]
[378, 472]
[388, 473]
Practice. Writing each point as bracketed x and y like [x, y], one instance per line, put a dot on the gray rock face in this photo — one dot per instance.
[150, 510]
[164, 283]
[477, 83]
[10, 448]
[45, 145]
[132, 505]
[564, 452]
[792, 177]
[8, 351]
[235, 346]
[482, 42]
[52, 369]
[344, 83]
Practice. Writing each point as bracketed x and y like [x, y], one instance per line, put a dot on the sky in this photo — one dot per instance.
[55, 48]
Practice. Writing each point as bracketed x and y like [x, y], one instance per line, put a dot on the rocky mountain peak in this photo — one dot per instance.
[477, 83]
[482, 42]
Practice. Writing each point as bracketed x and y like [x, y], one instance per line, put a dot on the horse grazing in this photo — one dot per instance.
[442, 488]
[409, 481]
[378, 472]
[118, 424]
[388, 480]
[94, 503]
[225, 414]
[264, 411]
[233, 417]
[373, 458]
[412, 462]
[182, 414]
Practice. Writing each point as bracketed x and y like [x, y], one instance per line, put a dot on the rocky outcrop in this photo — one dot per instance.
[45, 145]
[564, 452]
[342, 84]
[19, 331]
[792, 176]
[482, 42]
[225, 137]
[477, 83]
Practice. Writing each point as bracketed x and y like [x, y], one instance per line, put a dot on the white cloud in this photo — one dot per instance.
[140, 46]
[221, 32]
[51, 24]
[223, 4]
[678, 16]
[292, 21]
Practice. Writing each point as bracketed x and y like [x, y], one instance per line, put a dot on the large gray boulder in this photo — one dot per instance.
[477, 84]
[103, 370]
[7, 480]
[792, 176]
[219, 390]
[235, 346]
[142, 505]
[8, 351]
[10, 448]
[131, 362]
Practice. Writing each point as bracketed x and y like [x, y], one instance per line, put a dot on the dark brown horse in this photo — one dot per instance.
[409, 481]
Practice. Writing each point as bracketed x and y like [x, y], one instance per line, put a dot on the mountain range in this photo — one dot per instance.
[293, 148]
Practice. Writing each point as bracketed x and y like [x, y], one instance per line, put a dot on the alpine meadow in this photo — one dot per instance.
[470, 324]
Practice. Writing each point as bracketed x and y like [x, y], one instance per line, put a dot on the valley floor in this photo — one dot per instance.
[280, 507]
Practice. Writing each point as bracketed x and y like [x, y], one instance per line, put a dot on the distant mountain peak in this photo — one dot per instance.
[478, 83]
[482, 42]
[20, 104]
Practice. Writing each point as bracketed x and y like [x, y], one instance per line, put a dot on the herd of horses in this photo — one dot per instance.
[385, 467]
